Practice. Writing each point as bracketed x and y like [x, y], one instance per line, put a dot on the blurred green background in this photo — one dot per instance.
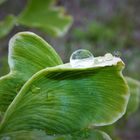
[99, 26]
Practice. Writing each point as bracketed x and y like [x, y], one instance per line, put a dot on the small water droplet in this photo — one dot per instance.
[35, 89]
[117, 53]
[108, 56]
[81, 58]
[99, 60]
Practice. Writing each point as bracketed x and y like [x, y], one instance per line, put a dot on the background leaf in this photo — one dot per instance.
[43, 15]
[133, 103]
[46, 17]
[28, 53]
[63, 100]
[6, 25]
[2, 1]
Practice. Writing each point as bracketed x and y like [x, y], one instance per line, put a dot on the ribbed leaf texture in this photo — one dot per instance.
[63, 100]
[41, 135]
[28, 53]
[57, 98]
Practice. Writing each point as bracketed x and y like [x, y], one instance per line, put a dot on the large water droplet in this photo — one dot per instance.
[108, 56]
[81, 58]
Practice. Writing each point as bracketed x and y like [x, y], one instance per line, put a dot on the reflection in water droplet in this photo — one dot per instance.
[81, 58]
[35, 89]
[108, 56]
[117, 53]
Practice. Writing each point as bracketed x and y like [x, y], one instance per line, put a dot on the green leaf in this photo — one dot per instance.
[133, 103]
[45, 16]
[25, 135]
[63, 99]
[28, 53]
[134, 87]
[6, 25]
[41, 135]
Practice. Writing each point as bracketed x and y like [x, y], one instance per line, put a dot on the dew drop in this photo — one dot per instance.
[99, 60]
[108, 57]
[81, 58]
[117, 53]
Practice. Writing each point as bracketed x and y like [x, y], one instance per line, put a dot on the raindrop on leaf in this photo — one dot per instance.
[108, 56]
[81, 59]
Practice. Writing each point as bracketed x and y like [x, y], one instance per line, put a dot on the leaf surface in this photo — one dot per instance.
[41, 135]
[28, 53]
[63, 99]
[6, 25]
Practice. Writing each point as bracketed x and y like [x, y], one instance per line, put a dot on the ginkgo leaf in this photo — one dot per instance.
[6, 25]
[42, 14]
[41, 135]
[65, 99]
[28, 53]
[133, 103]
